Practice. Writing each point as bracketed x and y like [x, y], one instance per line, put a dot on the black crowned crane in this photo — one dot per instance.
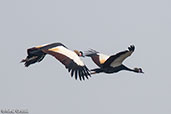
[69, 58]
[111, 64]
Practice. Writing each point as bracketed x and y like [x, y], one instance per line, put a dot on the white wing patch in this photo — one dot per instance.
[42, 45]
[120, 59]
[102, 58]
[70, 54]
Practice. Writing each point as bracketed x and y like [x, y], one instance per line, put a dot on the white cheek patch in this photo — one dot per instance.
[70, 54]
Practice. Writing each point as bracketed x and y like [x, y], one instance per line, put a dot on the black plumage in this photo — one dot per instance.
[111, 64]
[67, 57]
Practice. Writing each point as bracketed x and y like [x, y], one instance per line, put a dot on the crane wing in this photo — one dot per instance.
[117, 59]
[35, 54]
[71, 61]
[98, 58]
[67, 57]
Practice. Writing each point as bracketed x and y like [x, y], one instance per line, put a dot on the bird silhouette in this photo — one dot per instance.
[111, 64]
[71, 59]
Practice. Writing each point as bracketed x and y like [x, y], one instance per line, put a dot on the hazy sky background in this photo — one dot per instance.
[108, 26]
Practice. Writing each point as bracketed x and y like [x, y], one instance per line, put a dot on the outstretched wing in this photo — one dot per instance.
[71, 61]
[117, 59]
[97, 57]
[35, 54]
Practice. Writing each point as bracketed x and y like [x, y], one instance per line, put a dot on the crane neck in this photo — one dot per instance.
[128, 69]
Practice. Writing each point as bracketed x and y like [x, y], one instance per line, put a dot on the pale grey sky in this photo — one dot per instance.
[107, 26]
